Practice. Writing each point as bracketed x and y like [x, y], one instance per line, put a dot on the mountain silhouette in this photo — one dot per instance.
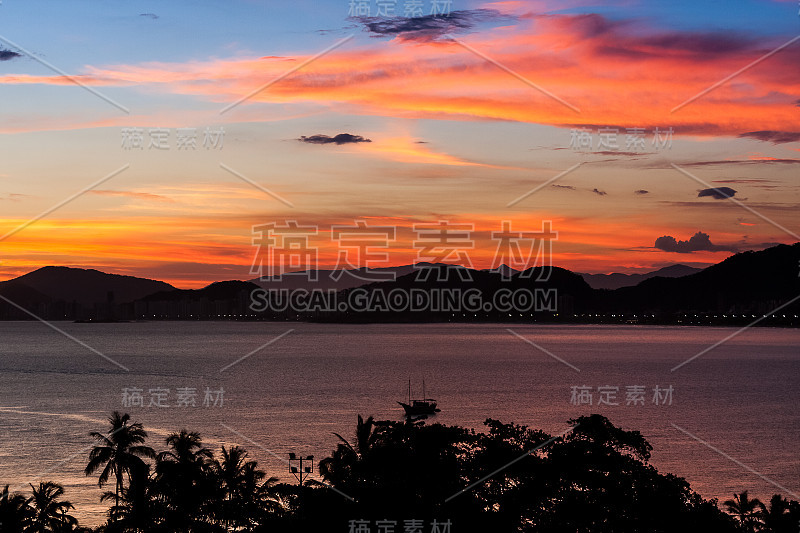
[746, 284]
[330, 279]
[617, 280]
[220, 290]
[561, 289]
[754, 282]
[223, 299]
[84, 286]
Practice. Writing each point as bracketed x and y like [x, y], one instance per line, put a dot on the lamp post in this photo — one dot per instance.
[297, 469]
[300, 472]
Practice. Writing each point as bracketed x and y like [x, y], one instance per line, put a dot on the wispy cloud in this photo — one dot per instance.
[755, 160]
[775, 137]
[132, 194]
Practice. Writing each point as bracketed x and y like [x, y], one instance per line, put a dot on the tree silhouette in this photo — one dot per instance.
[594, 478]
[779, 516]
[340, 467]
[50, 514]
[120, 451]
[745, 510]
[246, 496]
[15, 515]
[139, 508]
[185, 482]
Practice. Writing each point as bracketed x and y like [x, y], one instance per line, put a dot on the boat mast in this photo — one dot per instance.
[409, 391]
[423, 390]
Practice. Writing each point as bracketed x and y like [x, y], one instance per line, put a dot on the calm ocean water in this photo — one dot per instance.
[740, 398]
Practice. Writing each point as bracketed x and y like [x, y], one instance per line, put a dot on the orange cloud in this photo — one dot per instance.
[194, 251]
[616, 76]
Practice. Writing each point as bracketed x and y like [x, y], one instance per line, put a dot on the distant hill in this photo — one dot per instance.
[753, 282]
[746, 284]
[322, 279]
[350, 278]
[503, 269]
[617, 280]
[23, 295]
[562, 290]
[84, 286]
[220, 290]
[748, 281]
[220, 300]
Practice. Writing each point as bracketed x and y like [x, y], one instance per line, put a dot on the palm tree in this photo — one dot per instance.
[186, 449]
[365, 437]
[776, 518]
[50, 514]
[184, 480]
[243, 493]
[345, 468]
[120, 450]
[745, 510]
[340, 465]
[15, 514]
[139, 509]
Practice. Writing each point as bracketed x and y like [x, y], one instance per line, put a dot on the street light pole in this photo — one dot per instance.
[300, 472]
[297, 469]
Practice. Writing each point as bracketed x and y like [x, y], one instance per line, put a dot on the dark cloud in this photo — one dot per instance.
[775, 137]
[149, 15]
[717, 193]
[342, 138]
[8, 55]
[570, 187]
[703, 46]
[699, 242]
[741, 162]
[587, 25]
[706, 43]
[599, 192]
[430, 27]
[641, 191]
[594, 127]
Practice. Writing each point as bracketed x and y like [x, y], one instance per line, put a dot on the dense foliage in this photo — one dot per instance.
[393, 475]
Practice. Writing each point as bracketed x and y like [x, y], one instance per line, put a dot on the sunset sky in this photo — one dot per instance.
[464, 114]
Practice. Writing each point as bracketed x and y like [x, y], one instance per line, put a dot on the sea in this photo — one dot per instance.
[725, 418]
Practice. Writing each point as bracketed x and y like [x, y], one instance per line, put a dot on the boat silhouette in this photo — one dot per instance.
[419, 407]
